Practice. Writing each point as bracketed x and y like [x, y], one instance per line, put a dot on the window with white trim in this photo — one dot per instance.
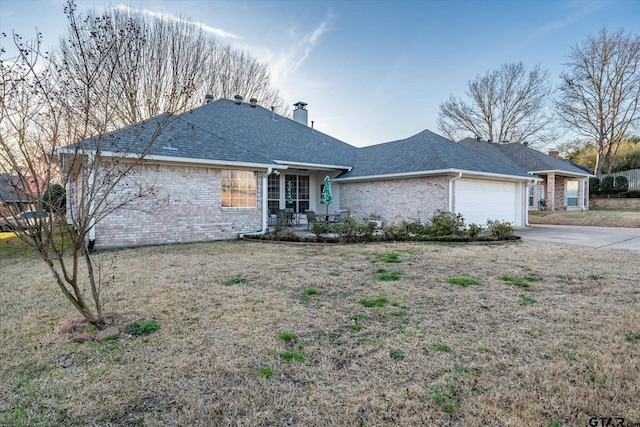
[238, 189]
[299, 192]
[531, 195]
[273, 193]
[572, 193]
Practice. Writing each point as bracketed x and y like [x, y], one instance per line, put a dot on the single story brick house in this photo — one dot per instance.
[219, 171]
[563, 185]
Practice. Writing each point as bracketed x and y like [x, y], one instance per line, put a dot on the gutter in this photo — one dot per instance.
[438, 172]
[561, 173]
[265, 225]
[451, 190]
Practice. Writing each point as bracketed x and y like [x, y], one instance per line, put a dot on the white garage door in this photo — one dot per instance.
[478, 200]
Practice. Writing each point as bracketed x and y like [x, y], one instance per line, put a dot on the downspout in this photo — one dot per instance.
[92, 220]
[265, 225]
[451, 190]
[584, 194]
[525, 204]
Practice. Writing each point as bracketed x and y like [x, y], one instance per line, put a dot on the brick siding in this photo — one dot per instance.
[186, 207]
[602, 203]
[394, 200]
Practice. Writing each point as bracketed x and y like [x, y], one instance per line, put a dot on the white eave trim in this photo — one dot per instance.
[466, 173]
[189, 160]
[314, 165]
[562, 172]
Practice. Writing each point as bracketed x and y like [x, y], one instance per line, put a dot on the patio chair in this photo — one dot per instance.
[340, 215]
[281, 214]
[273, 218]
[311, 217]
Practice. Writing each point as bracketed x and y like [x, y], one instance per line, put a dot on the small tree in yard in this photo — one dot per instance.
[55, 119]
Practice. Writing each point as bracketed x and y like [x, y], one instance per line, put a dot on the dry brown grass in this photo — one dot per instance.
[602, 218]
[435, 354]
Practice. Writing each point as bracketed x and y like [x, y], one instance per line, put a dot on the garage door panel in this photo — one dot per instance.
[479, 200]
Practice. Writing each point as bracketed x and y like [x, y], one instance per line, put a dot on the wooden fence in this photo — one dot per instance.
[632, 175]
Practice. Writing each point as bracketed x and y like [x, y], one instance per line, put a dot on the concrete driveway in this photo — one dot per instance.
[607, 238]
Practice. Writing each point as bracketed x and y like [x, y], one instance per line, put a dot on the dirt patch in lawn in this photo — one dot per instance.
[384, 334]
[602, 218]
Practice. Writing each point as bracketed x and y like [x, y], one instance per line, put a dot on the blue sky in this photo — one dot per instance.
[372, 71]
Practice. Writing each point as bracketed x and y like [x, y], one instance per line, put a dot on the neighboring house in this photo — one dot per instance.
[563, 185]
[13, 197]
[219, 170]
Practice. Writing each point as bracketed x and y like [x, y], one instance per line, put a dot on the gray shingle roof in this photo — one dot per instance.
[522, 157]
[270, 135]
[174, 137]
[9, 192]
[223, 131]
[424, 152]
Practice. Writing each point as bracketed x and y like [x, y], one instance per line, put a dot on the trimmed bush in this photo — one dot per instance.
[474, 230]
[607, 184]
[501, 230]
[320, 228]
[594, 185]
[351, 231]
[405, 231]
[446, 224]
[621, 183]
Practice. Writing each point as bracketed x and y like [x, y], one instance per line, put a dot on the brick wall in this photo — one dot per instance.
[395, 200]
[600, 203]
[186, 207]
[560, 198]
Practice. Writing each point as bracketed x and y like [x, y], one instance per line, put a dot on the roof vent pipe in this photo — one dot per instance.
[253, 102]
[238, 99]
[300, 114]
[208, 98]
[273, 113]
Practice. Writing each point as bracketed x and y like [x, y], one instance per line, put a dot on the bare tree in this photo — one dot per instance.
[54, 121]
[600, 92]
[507, 104]
[170, 65]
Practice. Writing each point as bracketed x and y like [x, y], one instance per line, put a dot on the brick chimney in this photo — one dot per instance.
[555, 154]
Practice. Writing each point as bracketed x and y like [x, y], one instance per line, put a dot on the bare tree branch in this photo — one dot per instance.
[600, 92]
[503, 105]
[163, 65]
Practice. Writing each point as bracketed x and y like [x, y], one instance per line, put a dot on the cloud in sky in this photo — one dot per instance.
[289, 59]
[283, 62]
[577, 11]
[168, 17]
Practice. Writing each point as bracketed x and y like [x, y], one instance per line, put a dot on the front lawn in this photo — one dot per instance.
[368, 334]
[603, 218]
